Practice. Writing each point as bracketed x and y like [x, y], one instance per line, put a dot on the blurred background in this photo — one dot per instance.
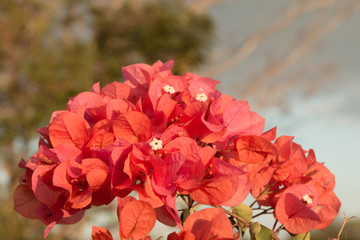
[295, 61]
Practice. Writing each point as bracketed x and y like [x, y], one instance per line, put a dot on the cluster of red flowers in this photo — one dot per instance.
[166, 136]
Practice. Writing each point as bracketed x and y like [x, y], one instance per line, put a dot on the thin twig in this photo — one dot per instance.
[279, 228]
[264, 192]
[342, 227]
[184, 199]
[263, 212]
[295, 11]
[274, 225]
[252, 204]
[274, 236]
[277, 69]
[246, 223]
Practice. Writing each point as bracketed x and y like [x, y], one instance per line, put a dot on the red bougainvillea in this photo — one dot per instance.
[172, 138]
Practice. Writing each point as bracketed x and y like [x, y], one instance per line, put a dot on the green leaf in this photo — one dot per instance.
[303, 236]
[255, 228]
[245, 212]
[260, 232]
[264, 234]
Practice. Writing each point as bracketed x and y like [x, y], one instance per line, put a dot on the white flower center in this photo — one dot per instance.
[201, 97]
[169, 89]
[156, 144]
[306, 198]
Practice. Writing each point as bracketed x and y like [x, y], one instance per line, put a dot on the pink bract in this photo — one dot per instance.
[169, 138]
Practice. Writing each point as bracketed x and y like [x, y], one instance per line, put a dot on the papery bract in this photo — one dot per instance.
[167, 138]
[294, 212]
[327, 209]
[239, 120]
[211, 223]
[99, 233]
[132, 126]
[116, 90]
[254, 149]
[137, 218]
[25, 202]
[69, 128]
[225, 185]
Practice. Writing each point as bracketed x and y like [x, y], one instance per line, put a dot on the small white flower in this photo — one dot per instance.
[169, 89]
[156, 144]
[201, 97]
[306, 198]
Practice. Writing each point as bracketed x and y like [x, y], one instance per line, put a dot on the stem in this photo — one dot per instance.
[246, 224]
[191, 201]
[263, 212]
[252, 204]
[342, 227]
[184, 199]
[275, 236]
[266, 190]
[274, 225]
[258, 208]
[279, 228]
[226, 150]
[194, 207]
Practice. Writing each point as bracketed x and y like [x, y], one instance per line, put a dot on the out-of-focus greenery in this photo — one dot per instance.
[350, 232]
[52, 50]
[150, 32]
[13, 226]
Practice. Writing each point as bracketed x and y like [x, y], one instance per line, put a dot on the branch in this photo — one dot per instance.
[301, 76]
[240, 219]
[295, 11]
[343, 225]
[299, 51]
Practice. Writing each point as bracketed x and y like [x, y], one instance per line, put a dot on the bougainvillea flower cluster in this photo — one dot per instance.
[169, 137]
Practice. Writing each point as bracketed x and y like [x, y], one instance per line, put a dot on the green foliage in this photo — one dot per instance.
[38, 75]
[303, 236]
[260, 232]
[245, 212]
[157, 30]
[350, 231]
[49, 52]
[15, 227]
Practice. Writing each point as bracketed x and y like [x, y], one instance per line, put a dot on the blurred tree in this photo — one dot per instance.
[50, 51]
[145, 33]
